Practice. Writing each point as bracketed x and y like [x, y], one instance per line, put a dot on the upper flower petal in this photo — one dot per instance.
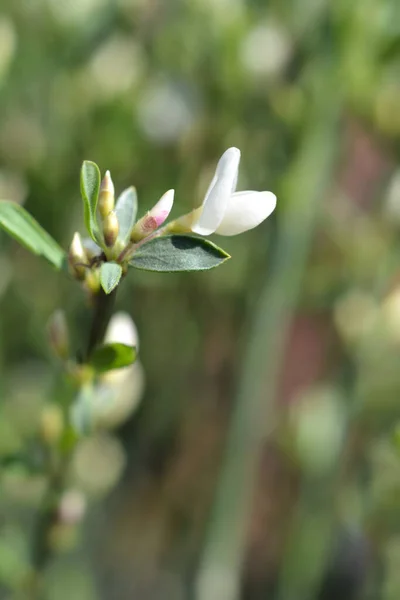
[217, 196]
[246, 210]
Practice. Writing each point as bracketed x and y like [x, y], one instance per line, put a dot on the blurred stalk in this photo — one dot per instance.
[310, 540]
[59, 461]
[219, 574]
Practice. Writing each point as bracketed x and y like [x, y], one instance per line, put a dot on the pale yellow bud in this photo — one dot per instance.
[51, 424]
[110, 229]
[57, 331]
[106, 196]
[72, 507]
[77, 257]
[92, 280]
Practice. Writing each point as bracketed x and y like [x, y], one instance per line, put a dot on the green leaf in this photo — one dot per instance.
[126, 210]
[23, 227]
[112, 356]
[178, 253]
[110, 274]
[90, 185]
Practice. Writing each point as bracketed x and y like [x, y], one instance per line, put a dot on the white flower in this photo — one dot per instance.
[122, 330]
[225, 211]
[120, 390]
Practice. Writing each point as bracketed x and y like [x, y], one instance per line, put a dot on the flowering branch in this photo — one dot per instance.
[117, 242]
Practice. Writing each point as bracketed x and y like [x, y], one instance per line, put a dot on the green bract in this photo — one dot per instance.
[173, 253]
[126, 209]
[112, 356]
[23, 227]
[90, 185]
[110, 274]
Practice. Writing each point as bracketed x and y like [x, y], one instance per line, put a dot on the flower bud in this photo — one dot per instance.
[154, 218]
[110, 229]
[57, 331]
[72, 507]
[106, 196]
[77, 257]
[51, 424]
[92, 280]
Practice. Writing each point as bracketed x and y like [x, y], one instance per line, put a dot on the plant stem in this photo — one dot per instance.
[41, 552]
[104, 304]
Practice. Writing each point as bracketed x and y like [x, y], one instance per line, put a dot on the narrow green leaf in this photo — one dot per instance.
[90, 185]
[178, 253]
[23, 227]
[110, 274]
[126, 210]
[112, 356]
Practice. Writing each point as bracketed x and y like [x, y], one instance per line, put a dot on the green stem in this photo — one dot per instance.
[41, 552]
[219, 574]
[104, 304]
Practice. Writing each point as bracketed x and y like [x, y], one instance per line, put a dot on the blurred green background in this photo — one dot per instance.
[263, 459]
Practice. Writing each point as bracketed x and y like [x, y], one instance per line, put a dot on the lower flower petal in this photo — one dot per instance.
[246, 210]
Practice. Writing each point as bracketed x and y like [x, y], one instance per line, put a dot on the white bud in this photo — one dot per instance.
[106, 195]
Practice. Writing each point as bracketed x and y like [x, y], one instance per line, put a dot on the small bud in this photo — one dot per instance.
[110, 229]
[143, 228]
[106, 196]
[77, 257]
[72, 507]
[92, 280]
[51, 424]
[57, 331]
[154, 218]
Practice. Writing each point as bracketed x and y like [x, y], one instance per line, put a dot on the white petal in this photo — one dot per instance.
[122, 330]
[163, 207]
[217, 197]
[246, 210]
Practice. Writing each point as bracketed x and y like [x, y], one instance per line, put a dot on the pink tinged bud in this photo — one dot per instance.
[106, 196]
[161, 210]
[154, 218]
[148, 224]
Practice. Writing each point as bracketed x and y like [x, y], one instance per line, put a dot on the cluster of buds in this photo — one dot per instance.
[82, 258]
[224, 211]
